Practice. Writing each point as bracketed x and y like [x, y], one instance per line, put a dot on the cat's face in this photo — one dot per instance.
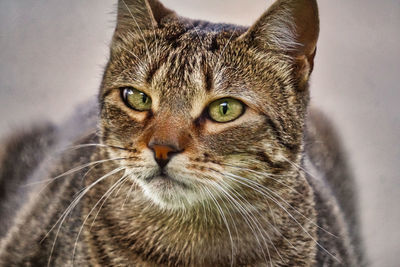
[201, 110]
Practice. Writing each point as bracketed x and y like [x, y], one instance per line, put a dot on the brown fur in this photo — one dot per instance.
[256, 191]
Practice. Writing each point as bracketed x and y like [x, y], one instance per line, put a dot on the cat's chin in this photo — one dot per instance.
[165, 182]
[168, 192]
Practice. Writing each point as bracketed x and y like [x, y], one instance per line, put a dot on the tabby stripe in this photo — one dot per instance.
[208, 76]
[104, 95]
[277, 165]
[277, 132]
[154, 67]
[214, 45]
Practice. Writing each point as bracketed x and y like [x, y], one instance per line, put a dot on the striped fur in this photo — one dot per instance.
[261, 190]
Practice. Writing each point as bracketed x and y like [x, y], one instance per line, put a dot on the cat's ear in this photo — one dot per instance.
[291, 26]
[140, 15]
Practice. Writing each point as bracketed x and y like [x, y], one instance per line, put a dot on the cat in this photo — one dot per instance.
[201, 150]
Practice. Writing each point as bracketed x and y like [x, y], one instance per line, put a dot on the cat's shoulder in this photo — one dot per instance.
[326, 163]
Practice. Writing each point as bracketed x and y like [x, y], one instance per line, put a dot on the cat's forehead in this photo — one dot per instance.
[184, 62]
[179, 78]
[193, 68]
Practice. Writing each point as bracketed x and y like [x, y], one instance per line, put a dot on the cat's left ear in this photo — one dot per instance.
[140, 15]
[290, 26]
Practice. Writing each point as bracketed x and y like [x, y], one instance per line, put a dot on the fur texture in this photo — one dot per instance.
[269, 188]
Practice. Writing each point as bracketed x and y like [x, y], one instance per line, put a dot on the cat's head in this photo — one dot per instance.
[204, 109]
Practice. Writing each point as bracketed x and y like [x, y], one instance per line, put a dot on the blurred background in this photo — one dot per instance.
[52, 54]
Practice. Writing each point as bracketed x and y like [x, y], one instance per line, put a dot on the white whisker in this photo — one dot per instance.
[140, 31]
[105, 196]
[260, 190]
[296, 210]
[72, 205]
[73, 170]
[241, 200]
[223, 50]
[247, 217]
[224, 220]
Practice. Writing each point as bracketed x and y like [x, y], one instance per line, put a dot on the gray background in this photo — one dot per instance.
[52, 53]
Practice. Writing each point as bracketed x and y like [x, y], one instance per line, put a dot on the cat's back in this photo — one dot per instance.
[21, 153]
[29, 156]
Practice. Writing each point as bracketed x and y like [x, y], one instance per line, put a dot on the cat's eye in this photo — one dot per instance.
[225, 109]
[136, 99]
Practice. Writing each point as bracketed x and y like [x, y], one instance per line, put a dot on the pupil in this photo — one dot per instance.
[224, 108]
[144, 98]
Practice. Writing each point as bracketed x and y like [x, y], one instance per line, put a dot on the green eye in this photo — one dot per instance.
[225, 109]
[136, 99]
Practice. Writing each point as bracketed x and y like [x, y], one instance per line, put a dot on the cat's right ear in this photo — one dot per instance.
[291, 27]
[140, 15]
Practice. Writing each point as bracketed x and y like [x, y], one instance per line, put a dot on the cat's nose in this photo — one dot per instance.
[163, 153]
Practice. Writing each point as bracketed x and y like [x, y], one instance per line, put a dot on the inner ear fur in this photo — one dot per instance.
[290, 26]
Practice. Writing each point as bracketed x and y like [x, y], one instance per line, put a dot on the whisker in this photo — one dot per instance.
[73, 170]
[120, 187]
[298, 167]
[140, 30]
[197, 33]
[246, 216]
[267, 175]
[224, 220]
[248, 211]
[261, 216]
[229, 213]
[277, 203]
[263, 188]
[105, 196]
[223, 50]
[72, 205]
[157, 48]
[127, 195]
[133, 54]
[296, 210]
[94, 145]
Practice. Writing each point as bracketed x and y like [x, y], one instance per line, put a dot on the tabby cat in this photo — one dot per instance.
[201, 151]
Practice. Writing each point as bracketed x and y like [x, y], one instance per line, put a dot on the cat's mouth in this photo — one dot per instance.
[169, 189]
[162, 179]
